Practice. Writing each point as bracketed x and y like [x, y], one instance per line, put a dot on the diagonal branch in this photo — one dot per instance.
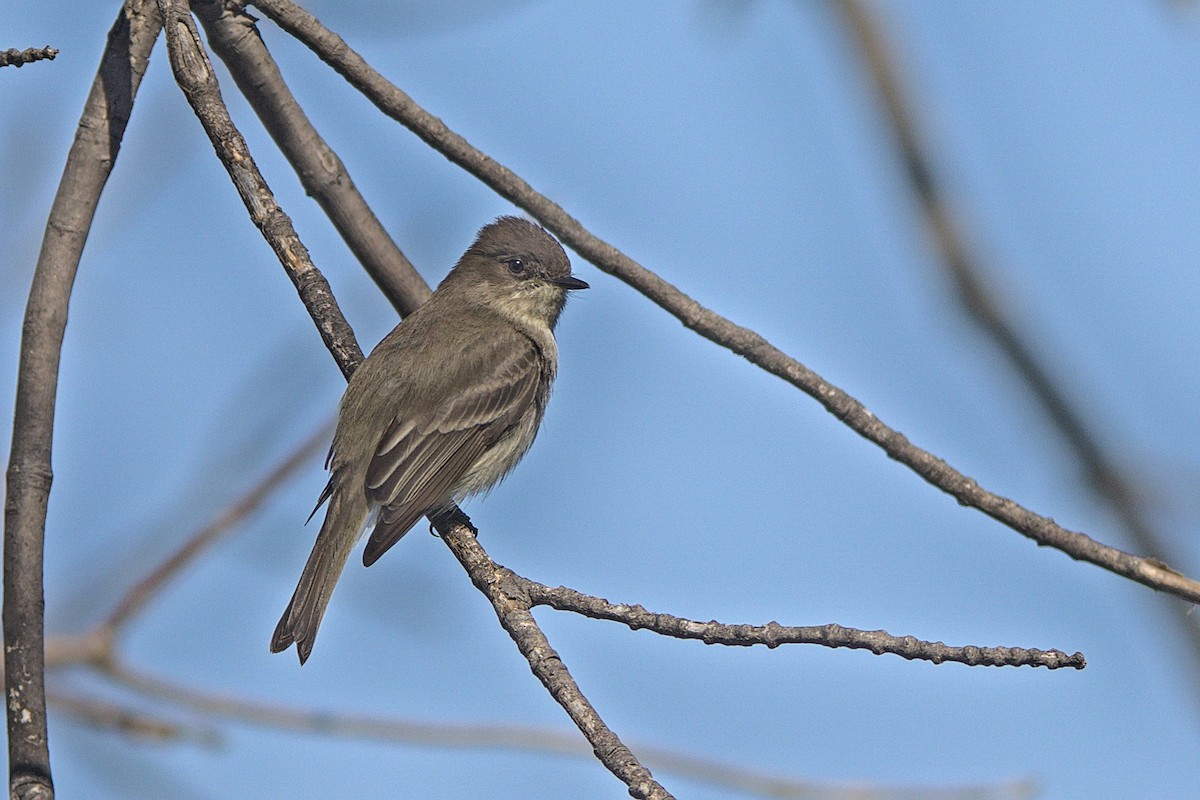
[89, 163]
[145, 590]
[745, 342]
[1105, 477]
[195, 76]
[235, 39]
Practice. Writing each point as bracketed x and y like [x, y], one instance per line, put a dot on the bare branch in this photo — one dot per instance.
[13, 57]
[235, 39]
[195, 76]
[773, 634]
[89, 163]
[745, 342]
[512, 604]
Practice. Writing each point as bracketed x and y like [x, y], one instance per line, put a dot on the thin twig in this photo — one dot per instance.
[235, 39]
[13, 57]
[773, 634]
[745, 342]
[89, 163]
[1105, 477]
[145, 590]
[512, 605]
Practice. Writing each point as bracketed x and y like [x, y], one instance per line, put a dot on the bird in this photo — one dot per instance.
[442, 409]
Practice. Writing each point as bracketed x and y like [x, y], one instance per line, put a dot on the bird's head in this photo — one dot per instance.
[517, 269]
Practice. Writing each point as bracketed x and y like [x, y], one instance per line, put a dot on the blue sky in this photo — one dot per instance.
[739, 151]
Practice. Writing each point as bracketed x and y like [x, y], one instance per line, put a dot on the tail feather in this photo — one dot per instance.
[304, 611]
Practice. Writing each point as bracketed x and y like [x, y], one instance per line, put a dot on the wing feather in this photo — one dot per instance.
[421, 460]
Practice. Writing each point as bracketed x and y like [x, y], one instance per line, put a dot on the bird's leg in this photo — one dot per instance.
[442, 521]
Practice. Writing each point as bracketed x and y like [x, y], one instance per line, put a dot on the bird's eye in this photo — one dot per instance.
[515, 265]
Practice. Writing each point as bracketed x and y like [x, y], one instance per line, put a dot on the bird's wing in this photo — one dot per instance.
[421, 459]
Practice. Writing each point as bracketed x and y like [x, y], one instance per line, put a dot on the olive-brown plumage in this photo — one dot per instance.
[444, 407]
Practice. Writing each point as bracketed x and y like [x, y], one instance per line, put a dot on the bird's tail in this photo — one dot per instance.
[343, 522]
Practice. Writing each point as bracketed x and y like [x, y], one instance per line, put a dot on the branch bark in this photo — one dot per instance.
[392, 101]
[235, 39]
[89, 163]
[12, 57]
[195, 77]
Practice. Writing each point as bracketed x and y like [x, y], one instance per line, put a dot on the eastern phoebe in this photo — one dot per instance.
[444, 407]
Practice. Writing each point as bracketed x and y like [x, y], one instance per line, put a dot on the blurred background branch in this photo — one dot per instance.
[1110, 483]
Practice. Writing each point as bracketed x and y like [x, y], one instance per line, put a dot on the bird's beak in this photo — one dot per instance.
[569, 283]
